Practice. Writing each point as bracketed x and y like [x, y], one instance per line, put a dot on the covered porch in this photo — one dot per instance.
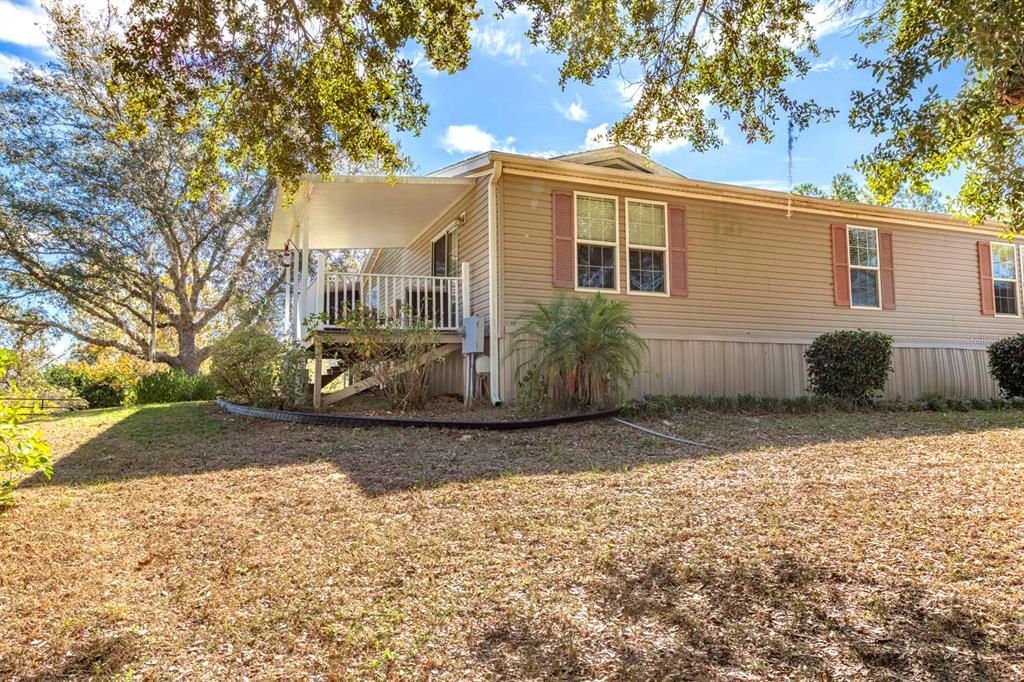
[355, 213]
[362, 213]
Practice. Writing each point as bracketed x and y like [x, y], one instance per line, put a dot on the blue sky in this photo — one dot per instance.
[509, 98]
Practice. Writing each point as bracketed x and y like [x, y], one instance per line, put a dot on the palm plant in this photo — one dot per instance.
[580, 352]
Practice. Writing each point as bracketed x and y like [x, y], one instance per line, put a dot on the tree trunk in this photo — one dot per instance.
[189, 357]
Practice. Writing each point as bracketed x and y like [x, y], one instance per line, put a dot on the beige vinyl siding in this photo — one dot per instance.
[447, 376]
[756, 275]
[415, 260]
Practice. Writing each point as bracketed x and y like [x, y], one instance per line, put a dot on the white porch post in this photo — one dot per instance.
[305, 277]
[466, 299]
[296, 289]
[288, 298]
[321, 281]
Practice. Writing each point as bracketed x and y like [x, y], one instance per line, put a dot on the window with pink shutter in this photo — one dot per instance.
[840, 266]
[1003, 279]
[563, 260]
[647, 246]
[678, 267]
[597, 242]
[863, 267]
[887, 270]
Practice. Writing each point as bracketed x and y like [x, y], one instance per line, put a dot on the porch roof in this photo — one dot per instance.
[363, 212]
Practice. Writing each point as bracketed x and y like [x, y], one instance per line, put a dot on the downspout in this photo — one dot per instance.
[492, 281]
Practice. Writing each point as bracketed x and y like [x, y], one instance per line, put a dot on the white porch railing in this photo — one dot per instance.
[401, 301]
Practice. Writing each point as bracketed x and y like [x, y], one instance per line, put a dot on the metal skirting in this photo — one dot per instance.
[318, 419]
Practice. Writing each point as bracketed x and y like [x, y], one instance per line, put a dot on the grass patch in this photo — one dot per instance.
[180, 542]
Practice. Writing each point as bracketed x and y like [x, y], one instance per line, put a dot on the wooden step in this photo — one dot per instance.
[360, 386]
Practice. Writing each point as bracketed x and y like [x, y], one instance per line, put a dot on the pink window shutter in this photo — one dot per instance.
[678, 268]
[887, 271]
[988, 294]
[563, 261]
[840, 266]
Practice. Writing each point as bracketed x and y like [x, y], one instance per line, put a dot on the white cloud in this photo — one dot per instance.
[765, 183]
[498, 43]
[831, 65]
[573, 112]
[27, 25]
[8, 64]
[24, 25]
[545, 154]
[829, 16]
[667, 146]
[471, 139]
[629, 91]
[596, 137]
[422, 64]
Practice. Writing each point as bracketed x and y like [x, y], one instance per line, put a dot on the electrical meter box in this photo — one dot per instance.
[473, 335]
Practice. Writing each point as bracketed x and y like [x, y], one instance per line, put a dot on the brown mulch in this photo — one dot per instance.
[178, 542]
[448, 407]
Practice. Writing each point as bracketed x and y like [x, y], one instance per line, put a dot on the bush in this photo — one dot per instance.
[244, 366]
[174, 386]
[108, 383]
[393, 358]
[1006, 364]
[581, 352]
[293, 377]
[22, 452]
[849, 365]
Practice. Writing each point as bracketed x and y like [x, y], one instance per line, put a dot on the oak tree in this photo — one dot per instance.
[102, 238]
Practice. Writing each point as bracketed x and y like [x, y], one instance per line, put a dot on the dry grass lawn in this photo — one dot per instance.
[176, 542]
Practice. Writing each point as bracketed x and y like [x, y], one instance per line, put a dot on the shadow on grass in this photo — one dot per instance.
[195, 438]
[95, 657]
[781, 618]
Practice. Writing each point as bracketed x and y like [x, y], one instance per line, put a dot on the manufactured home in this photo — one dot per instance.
[728, 284]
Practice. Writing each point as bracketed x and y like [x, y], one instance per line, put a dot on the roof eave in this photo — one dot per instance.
[714, 191]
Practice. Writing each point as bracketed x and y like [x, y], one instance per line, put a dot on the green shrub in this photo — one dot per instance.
[1006, 364]
[174, 386]
[849, 365]
[107, 383]
[580, 352]
[293, 377]
[245, 364]
[22, 451]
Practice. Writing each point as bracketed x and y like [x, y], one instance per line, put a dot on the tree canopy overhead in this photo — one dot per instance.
[925, 134]
[295, 84]
[844, 188]
[102, 237]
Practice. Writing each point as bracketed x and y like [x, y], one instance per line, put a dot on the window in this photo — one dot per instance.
[1004, 278]
[445, 254]
[597, 241]
[647, 241]
[863, 245]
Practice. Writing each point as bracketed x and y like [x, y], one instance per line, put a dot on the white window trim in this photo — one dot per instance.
[1016, 281]
[452, 227]
[663, 249]
[576, 241]
[877, 269]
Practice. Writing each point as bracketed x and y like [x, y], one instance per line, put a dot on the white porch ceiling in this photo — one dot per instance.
[363, 212]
